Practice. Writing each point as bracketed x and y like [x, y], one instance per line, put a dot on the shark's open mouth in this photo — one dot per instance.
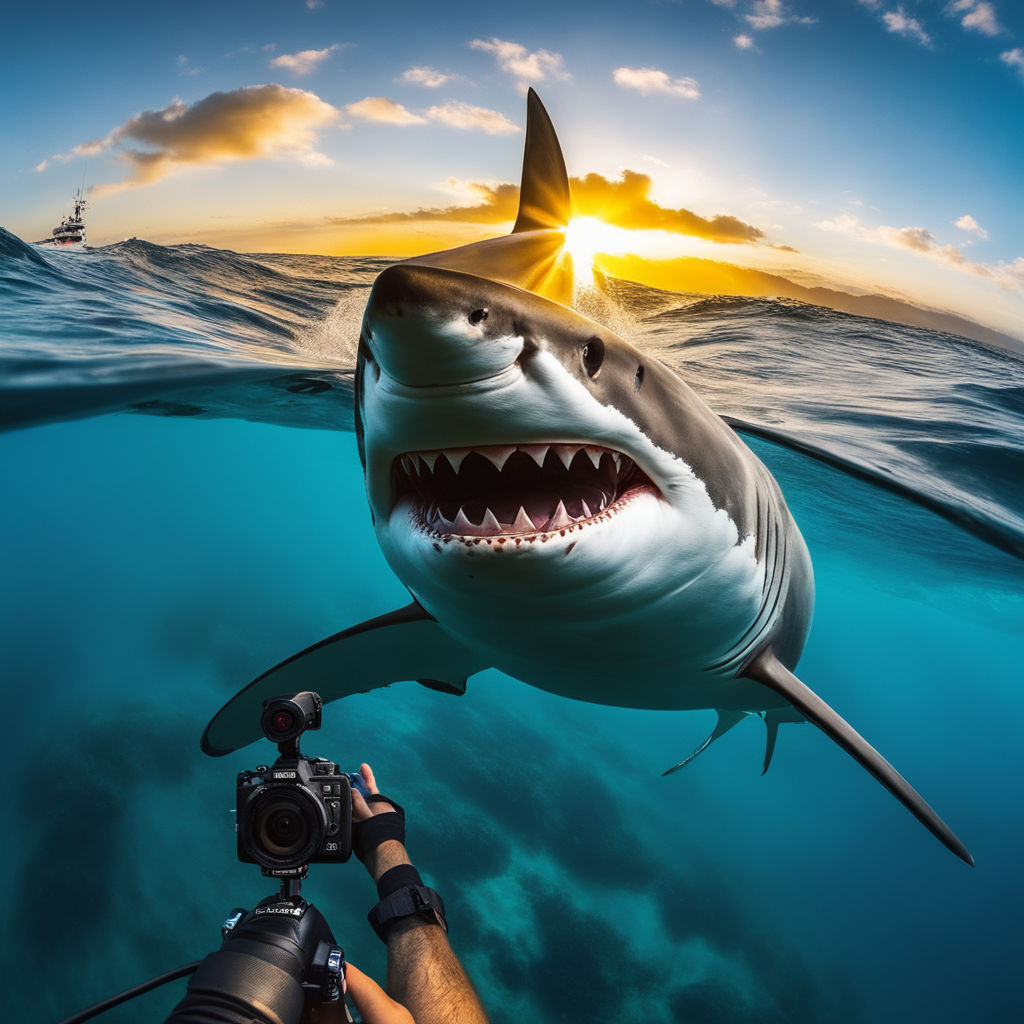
[516, 490]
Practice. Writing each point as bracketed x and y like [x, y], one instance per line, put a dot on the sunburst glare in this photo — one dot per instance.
[586, 236]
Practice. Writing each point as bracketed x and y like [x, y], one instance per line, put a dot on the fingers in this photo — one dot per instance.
[360, 808]
[325, 1013]
[375, 1006]
[367, 773]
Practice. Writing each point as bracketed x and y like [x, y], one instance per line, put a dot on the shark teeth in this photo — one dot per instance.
[489, 524]
[537, 452]
[523, 523]
[560, 520]
[499, 454]
[416, 463]
[515, 491]
[456, 456]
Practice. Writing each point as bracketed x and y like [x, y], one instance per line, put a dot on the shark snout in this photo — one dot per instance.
[429, 327]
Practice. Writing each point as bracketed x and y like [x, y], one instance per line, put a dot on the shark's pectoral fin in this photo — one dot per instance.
[726, 720]
[769, 671]
[456, 689]
[404, 644]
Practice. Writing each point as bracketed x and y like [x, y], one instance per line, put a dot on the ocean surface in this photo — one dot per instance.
[184, 507]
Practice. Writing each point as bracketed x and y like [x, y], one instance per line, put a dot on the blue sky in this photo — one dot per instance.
[880, 141]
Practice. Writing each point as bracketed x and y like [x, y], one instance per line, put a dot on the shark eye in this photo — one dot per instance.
[638, 381]
[593, 355]
[477, 316]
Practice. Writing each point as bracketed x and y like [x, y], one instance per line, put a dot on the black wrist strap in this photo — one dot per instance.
[399, 877]
[369, 833]
[411, 901]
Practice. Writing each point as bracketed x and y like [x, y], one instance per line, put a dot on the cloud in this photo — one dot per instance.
[743, 42]
[312, 5]
[623, 203]
[920, 240]
[427, 77]
[968, 223]
[651, 80]
[1010, 275]
[304, 62]
[527, 68]
[1014, 59]
[470, 118]
[383, 111]
[256, 122]
[186, 67]
[902, 24]
[454, 115]
[497, 204]
[773, 13]
[626, 203]
[979, 16]
[766, 14]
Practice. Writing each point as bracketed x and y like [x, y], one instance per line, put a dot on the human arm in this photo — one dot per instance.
[423, 972]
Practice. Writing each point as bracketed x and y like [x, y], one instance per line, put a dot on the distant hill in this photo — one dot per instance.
[709, 277]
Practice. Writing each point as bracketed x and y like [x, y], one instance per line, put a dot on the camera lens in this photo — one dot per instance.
[283, 721]
[285, 828]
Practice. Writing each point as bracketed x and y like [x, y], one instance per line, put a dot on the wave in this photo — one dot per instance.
[188, 330]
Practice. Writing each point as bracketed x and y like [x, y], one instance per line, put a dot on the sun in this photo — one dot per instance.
[586, 236]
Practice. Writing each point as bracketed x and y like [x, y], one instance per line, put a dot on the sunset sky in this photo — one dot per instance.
[864, 144]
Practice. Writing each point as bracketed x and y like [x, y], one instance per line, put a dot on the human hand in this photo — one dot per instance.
[382, 846]
[375, 1006]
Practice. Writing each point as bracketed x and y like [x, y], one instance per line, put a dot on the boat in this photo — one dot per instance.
[71, 230]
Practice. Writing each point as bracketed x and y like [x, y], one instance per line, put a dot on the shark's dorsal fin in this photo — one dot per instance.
[726, 720]
[769, 671]
[544, 200]
[533, 256]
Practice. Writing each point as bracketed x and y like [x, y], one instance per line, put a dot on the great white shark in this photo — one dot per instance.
[561, 506]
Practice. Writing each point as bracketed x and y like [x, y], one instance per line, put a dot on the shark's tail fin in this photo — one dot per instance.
[544, 200]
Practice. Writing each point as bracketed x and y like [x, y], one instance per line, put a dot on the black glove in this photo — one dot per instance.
[277, 955]
[369, 833]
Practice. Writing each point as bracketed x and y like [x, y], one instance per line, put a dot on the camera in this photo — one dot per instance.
[297, 811]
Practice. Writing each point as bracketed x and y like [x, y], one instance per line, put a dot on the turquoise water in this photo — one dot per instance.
[153, 564]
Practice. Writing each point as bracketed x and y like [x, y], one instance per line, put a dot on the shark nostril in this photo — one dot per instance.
[477, 316]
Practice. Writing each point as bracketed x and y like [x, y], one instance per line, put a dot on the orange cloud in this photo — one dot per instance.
[256, 122]
[625, 203]
[498, 205]
[383, 111]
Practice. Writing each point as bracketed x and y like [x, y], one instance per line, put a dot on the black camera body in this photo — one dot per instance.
[297, 811]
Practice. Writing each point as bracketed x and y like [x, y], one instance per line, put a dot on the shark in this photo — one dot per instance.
[561, 506]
